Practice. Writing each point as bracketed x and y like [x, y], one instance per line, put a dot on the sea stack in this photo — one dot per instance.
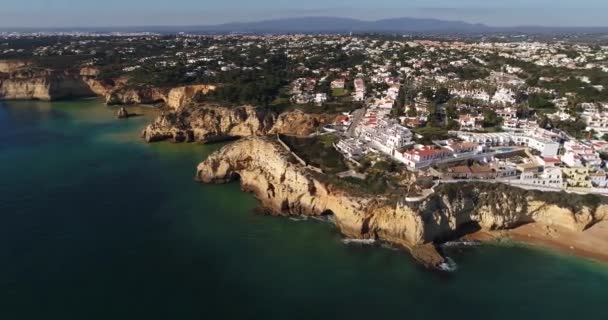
[122, 113]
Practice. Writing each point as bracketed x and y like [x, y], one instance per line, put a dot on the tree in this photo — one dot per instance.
[411, 111]
[442, 95]
[540, 101]
[491, 119]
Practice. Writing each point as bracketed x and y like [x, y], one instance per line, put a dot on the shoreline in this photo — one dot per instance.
[591, 244]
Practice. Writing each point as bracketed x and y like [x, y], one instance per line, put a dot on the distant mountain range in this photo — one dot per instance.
[340, 25]
[395, 25]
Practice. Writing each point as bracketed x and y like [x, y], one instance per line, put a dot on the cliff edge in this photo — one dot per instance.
[213, 123]
[284, 187]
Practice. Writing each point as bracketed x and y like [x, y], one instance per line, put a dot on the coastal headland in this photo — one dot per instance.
[285, 187]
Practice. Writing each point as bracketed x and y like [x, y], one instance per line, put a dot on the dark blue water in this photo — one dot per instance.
[96, 224]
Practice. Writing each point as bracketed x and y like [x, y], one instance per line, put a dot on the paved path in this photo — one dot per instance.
[357, 117]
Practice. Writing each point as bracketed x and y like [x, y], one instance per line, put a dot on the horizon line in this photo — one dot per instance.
[169, 25]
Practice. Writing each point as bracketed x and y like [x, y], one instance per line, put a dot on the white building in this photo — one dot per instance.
[580, 155]
[387, 136]
[504, 96]
[320, 98]
[547, 147]
[599, 180]
[352, 148]
[550, 178]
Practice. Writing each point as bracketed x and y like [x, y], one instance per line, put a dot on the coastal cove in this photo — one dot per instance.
[98, 224]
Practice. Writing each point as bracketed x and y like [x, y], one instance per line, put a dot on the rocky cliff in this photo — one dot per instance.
[10, 66]
[181, 96]
[136, 95]
[19, 80]
[174, 98]
[284, 187]
[39, 84]
[213, 123]
[22, 80]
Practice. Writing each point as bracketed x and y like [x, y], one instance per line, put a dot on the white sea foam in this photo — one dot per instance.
[323, 218]
[358, 241]
[461, 244]
[449, 265]
[297, 219]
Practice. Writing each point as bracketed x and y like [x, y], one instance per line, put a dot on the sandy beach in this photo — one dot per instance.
[591, 243]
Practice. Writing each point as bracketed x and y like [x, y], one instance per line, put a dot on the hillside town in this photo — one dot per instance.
[519, 111]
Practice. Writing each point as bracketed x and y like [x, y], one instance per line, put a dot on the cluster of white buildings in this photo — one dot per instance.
[502, 96]
[595, 117]
[581, 155]
[536, 140]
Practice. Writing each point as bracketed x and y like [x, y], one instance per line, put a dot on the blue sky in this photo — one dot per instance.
[62, 13]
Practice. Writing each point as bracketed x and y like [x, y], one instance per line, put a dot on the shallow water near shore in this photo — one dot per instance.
[96, 224]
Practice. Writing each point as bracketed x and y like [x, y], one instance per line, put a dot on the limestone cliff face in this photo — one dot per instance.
[174, 98]
[42, 85]
[205, 124]
[181, 96]
[136, 95]
[10, 66]
[284, 187]
[99, 88]
[24, 81]
[213, 123]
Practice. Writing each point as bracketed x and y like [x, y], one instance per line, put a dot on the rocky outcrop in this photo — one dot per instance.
[122, 113]
[181, 96]
[299, 123]
[213, 123]
[284, 187]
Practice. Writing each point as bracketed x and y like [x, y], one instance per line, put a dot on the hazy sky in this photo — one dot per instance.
[82, 13]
